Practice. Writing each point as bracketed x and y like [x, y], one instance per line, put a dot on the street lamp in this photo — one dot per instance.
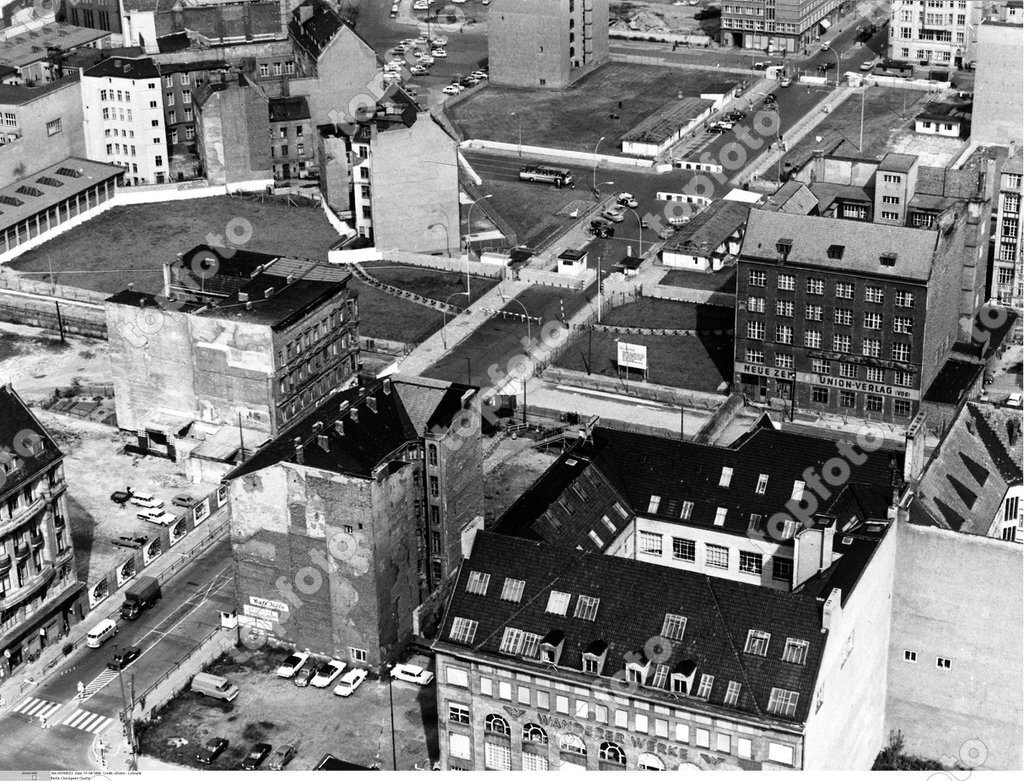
[391, 707]
[597, 189]
[519, 119]
[640, 233]
[529, 340]
[447, 236]
[593, 178]
[444, 324]
[469, 228]
[839, 63]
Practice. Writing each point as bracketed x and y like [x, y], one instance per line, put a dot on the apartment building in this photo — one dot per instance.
[40, 596]
[35, 56]
[939, 33]
[293, 139]
[1007, 273]
[998, 111]
[232, 125]
[546, 43]
[123, 118]
[555, 658]
[95, 14]
[777, 26]
[849, 318]
[143, 22]
[42, 124]
[377, 484]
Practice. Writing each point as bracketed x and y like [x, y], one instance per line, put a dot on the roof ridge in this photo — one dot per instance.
[732, 645]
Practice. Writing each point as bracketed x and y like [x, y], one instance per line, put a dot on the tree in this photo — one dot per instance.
[892, 757]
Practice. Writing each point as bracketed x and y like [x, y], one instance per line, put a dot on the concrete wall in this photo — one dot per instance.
[460, 468]
[957, 596]
[233, 135]
[347, 78]
[414, 176]
[36, 149]
[998, 114]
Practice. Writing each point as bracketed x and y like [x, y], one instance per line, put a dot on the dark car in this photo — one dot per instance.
[601, 230]
[735, 115]
[769, 101]
[183, 500]
[826, 66]
[282, 756]
[256, 755]
[214, 748]
[124, 658]
[305, 675]
[121, 497]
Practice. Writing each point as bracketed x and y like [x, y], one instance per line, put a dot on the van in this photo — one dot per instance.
[216, 686]
[100, 633]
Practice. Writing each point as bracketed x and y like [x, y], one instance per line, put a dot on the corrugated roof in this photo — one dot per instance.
[660, 125]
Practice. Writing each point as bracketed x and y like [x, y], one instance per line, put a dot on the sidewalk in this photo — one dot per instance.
[52, 657]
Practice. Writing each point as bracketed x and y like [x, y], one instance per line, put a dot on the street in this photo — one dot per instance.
[189, 609]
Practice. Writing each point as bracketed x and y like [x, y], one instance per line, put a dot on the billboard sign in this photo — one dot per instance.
[632, 356]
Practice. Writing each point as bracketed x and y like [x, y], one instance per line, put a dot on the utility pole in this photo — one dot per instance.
[60, 321]
[863, 98]
[126, 717]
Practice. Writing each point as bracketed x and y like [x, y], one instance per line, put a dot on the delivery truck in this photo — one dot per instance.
[142, 594]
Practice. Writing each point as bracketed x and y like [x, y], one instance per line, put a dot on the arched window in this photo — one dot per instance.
[650, 762]
[534, 733]
[612, 752]
[572, 744]
[496, 724]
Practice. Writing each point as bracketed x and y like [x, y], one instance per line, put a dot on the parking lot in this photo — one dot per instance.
[315, 721]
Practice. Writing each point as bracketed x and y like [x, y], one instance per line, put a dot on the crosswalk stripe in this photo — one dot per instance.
[87, 721]
[33, 706]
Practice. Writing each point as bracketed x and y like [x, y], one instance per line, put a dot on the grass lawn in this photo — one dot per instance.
[695, 363]
[532, 209]
[432, 283]
[576, 117]
[723, 281]
[131, 243]
[661, 313]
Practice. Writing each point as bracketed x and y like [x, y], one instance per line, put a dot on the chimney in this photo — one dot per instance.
[355, 415]
[268, 293]
[318, 426]
[913, 450]
[344, 407]
[469, 535]
[832, 610]
[248, 304]
[812, 549]
[339, 428]
[298, 450]
[324, 443]
[371, 403]
[1013, 431]
[243, 296]
[387, 386]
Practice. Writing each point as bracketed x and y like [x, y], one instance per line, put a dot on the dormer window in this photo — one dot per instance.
[762, 483]
[511, 641]
[586, 607]
[594, 657]
[512, 590]
[798, 490]
[558, 603]
[720, 514]
[784, 247]
[706, 684]
[835, 251]
[684, 677]
[687, 511]
[463, 631]
[551, 646]
[795, 651]
[673, 627]
[726, 478]
[654, 504]
[757, 642]
[477, 583]
[636, 671]
[887, 259]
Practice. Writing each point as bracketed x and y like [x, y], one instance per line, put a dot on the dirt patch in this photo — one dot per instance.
[514, 467]
[664, 313]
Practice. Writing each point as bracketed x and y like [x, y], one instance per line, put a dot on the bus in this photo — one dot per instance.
[560, 177]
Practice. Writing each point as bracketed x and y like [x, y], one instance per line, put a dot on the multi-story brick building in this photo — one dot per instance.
[777, 25]
[551, 657]
[97, 14]
[251, 340]
[233, 130]
[1007, 272]
[40, 596]
[123, 118]
[935, 32]
[143, 22]
[849, 318]
[546, 43]
[41, 124]
[378, 485]
[293, 139]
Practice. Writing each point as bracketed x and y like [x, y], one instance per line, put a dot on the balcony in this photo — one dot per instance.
[36, 540]
[59, 522]
[21, 552]
[23, 514]
[5, 564]
[17, 596]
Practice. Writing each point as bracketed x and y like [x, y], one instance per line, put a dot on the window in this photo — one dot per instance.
[732, 693]
[787, 282]
[910, 656]
[435, 487]
[720, 515]
[780, 754]
[783, 702]
[844, 290]
[558, 603]
[904, 299]
[755, 357]
[704, 690]
[264, 69]
[782, 569]
[784, 334]
[673, 627]
[477, 583]
[458, 713]
[755, 304]
[755, 330]
[534, 733]
[751, 563]
[652, 506]
[894, 199]
[874, 295]
[942, 663]
[512, 590]
[357, 654]
[586, 607]
[813, 312]
[612, 753]
[795, 651]
[901, 408]
[456, 676]
[873, 403]
[841, 343]
[572, 744]
[650, 543]
[53, 127]
[463, 630]
[726, 477]
[511, 641]
[812, 339]
[758, 279]
[543, 699]
[843, 316]
[873, 321]
[902, 325]
[875, 375]
[784, 308]
[497, 756]
[716, 556]
[757, 642]
[816, 287]
[871, 348]
[901, 351]
[686, 511]
[684, 550]
[847, 398]
[890, 216]
[531, 649]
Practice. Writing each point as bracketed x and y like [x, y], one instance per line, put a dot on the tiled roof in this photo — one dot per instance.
[316, 32]
[864, 244]
[634, 600]
[125, 68]
[793, 198]
[30, 455]
[897, 162]
[706, 232]
[963, 485]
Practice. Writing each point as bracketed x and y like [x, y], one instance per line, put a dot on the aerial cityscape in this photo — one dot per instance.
[516, 385]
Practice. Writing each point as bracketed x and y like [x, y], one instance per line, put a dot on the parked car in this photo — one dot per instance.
[769, 101]
[305, 675]
[161, 517]
[124, 658]
[419, 70]
[420, 5]
[425, 59]
[439, 53]
[452, 89]
[1015, 401]
[146, 500]
[826, 66]
[281, 757]
[721, 126]
[866, 66]
[481, 74]
[614, 213]
[350, 681]
[292, 664]
[183, 500]
[257, 754]
[121, 497]
[601, 229]
[665, 232]
[412, 674]
[785, 81]
[213, 748]
[627, 199]
[327, 673]
[734, 116]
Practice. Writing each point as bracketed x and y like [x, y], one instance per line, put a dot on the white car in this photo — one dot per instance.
[419, 70]
[452, 89]
[627, 199]
[439, 40]
[425, 59]
[1015, 400]
[292, 665]
[480, 74]
[614, 213]
[439, 54]
[327, 673]
[350, 682]
[420, 5]
[144, 500]
[412, 674]
[161, 517]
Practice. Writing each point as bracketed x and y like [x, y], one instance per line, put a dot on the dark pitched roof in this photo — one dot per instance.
[793, 197]
[288, 109]
[125, 68]
[29, 455]
[314, 24]
[635, 598]
[954, 379]
[706, 232]
[898, 163]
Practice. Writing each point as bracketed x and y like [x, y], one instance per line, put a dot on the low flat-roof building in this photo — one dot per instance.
[29, 53]
[654, 135]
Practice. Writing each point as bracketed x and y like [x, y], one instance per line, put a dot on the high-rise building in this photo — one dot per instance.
[1007, 273]
[998, 111]
[939, 33]
[777, 25]
[546, 43]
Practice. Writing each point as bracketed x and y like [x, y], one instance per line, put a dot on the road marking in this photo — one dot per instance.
[87, 721]
[97, 684]
[37, 708]
[613, 396]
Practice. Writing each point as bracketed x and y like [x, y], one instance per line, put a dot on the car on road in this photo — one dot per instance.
[439, 53]
[327, 673]
[720, 127]
[480, 74]
[420, 5]
[665, 232]
[627, 199]
[785, 81]
[212, 749]
[121, 497]
[256, 756]
[124, 658]
[769, 101]
[161, 517]
[281, 757]
[601, 229]
[469, 81]
[615, 213]
[866, 66]
[350, 682]
[183, 500]
[826, 66]
[734, 116]
[295, 662]
[1015, 401]
[419, 70]
[412, 674]
[394, 11]
[425, 59]
[453, 89]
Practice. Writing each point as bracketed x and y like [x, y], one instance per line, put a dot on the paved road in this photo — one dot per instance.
[190, 608]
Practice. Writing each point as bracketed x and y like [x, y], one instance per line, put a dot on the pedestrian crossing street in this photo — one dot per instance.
[87, 721]
[97, 683]
[35, 708]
